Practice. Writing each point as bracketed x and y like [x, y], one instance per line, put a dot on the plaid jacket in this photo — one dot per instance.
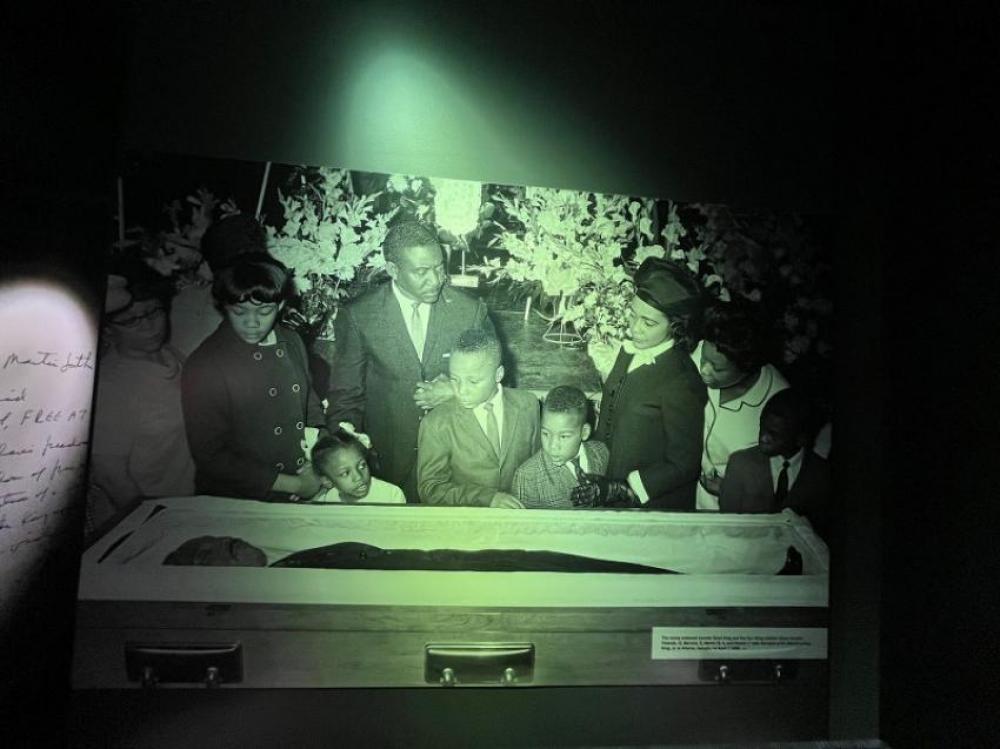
[541, 485]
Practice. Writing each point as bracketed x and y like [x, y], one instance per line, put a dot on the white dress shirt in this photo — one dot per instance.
[644, 356]
[581, 455]
[794, 466]
[406, 307]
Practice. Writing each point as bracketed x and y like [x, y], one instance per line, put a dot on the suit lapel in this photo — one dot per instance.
[470, 427]
[433, 325]
[510, 417]
[766, 485]
[803, 480]
[394, 324]
[596, 461]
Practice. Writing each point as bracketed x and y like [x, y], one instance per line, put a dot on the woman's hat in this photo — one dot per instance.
[669, 287]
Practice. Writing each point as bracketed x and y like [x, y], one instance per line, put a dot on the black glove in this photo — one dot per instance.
[600, 491]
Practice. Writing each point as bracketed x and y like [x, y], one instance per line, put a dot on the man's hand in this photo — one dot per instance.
[428, 395]
[600, 491]
[506, 501]
[309, 482]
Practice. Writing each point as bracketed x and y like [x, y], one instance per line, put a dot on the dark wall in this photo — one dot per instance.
[731, 102]
[737, 103]
[940, 647]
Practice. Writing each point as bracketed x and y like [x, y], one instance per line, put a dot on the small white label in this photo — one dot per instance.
[742, 643]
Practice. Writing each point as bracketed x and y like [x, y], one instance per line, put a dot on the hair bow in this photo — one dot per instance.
[361, 437]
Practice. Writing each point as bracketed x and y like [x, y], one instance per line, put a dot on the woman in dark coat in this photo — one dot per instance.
[247, 393]
[652, 408]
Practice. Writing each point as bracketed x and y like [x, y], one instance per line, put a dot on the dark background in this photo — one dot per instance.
[870, 113]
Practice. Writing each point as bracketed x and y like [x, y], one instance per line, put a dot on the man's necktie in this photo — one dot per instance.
[417, 330]
[575, 460]
[492, 430]
[781, 492]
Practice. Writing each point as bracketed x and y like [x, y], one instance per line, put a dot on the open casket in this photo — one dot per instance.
[727, 616]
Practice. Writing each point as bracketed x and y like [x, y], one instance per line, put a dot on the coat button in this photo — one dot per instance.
[299, 425]
[272, 392]
[279, 353]
[280, 466]
[296, 388]
[257, 356]
[277, 430]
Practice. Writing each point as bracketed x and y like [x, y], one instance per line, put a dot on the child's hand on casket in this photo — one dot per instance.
[600, 491]
[506, 501]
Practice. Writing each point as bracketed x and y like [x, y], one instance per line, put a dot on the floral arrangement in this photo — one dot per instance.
[176, 252]
[331, 238]
[576, 247]
[583, 249]
[452, 208]
[457, 205]
[413, 196]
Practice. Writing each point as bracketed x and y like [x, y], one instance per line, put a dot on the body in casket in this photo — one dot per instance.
[292, 627]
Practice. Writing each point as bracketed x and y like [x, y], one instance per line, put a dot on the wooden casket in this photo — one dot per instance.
[727, 617]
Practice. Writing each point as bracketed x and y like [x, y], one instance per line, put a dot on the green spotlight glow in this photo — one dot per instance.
[403, 107]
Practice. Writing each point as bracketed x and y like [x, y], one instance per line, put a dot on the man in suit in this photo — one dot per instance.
[470, 447]
[781, 470]
[392, 345]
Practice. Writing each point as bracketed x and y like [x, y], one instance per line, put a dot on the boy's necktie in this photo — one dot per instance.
[575, 460]
[492, 430]
[781, 492]
[417, 330]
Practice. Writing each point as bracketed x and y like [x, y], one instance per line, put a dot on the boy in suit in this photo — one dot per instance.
[547, 478]
[469, 447]
[781, 470]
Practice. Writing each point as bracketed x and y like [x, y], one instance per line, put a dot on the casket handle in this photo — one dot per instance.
[452, 664]
[210, 664]
[747, 671]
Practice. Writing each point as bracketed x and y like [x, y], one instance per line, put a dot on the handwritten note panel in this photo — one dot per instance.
[48, 347]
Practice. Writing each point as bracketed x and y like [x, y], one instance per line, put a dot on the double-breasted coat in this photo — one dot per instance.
[651, 420]
[245, 410]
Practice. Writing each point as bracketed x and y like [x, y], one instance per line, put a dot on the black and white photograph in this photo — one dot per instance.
[497, 374]
[488, 425]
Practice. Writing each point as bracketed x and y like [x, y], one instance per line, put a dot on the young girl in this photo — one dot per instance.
[342, 458]
[247, 393]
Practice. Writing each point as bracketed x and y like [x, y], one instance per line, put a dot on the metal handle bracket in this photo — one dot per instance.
[452, 664]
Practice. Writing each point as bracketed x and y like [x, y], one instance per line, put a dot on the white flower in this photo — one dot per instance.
[642, 253]
[457, 204]
[397, 183]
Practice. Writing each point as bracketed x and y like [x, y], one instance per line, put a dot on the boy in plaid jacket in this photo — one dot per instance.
[546, 479]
